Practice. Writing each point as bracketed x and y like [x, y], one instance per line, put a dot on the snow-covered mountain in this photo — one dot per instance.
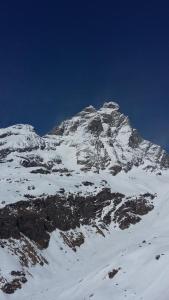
[83, 211]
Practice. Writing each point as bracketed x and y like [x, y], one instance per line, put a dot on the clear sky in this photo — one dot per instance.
[57, 57]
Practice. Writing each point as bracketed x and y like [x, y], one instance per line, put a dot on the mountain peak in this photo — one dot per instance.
[104, 139]
[111, 104]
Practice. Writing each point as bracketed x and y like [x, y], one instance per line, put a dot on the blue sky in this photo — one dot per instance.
[57, 57]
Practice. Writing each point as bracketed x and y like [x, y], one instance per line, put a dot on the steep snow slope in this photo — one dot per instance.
[84, 211]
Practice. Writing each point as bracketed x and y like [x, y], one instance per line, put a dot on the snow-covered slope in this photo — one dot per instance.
[83, 211]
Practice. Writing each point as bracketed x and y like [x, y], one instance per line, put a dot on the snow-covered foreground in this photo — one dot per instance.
[141, 253]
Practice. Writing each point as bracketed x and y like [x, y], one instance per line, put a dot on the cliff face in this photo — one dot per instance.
[92, 185]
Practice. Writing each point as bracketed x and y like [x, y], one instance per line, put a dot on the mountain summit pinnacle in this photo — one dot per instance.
[108, 104]
[111, 104]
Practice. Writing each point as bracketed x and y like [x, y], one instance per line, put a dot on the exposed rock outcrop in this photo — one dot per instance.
[37, 218]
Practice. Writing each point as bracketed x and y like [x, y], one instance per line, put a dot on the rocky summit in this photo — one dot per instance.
[83, 211]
